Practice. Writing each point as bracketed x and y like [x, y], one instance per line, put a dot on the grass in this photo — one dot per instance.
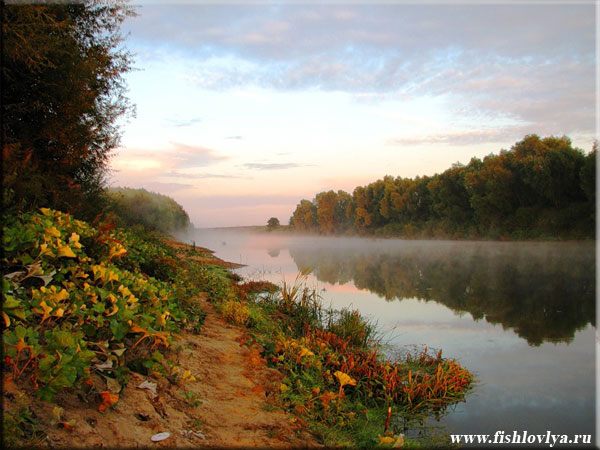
[77, 296]
[335, 379]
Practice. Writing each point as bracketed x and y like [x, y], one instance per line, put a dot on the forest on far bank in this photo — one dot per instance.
[541, 188]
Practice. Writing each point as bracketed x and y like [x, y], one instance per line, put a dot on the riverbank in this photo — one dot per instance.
[113, 337]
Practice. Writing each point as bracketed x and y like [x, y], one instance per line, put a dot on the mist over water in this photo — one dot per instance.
[520, 315]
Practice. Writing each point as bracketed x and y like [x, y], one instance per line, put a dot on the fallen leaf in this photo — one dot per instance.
[385, 439]
[56, 415]
[108, 364]
[160, 436]
[113, 385]
[69, 426]
[108, 399]
[149, 386]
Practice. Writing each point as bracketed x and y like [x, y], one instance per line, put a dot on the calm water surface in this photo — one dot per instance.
[520, 316]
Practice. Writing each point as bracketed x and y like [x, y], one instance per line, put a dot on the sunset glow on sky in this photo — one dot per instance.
[243, 109]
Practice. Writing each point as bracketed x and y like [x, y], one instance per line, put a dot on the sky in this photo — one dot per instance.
[245, 108]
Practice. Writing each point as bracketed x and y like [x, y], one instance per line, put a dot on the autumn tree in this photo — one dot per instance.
[344, 212]
[305, 216]
[326, 209]
[62, 92]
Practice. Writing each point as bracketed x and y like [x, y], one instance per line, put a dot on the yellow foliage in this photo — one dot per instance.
[305, 352]
[74, 240]
[44, 250]
[52, 231]
[66, 251]
[344, 379]
[235, 312]
[116, 251]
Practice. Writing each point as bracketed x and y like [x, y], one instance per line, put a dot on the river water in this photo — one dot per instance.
[520, 316]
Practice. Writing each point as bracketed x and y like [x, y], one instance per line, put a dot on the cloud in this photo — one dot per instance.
[181, 123]
[502, 135]
[200, 175]
[227, 201]
[534, 63]
[166, 188]
[187, 156]
[237, 138]
[272, 166]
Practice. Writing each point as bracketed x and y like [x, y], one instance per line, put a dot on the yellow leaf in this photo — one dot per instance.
[74, 240]
[385, 439]
[114, 311]
[306, 352]
[344, 379]
[66, 251]
[116, 252]
[44, 250]
[283, 387]
[56, 415]
[59, 312]
[46, 310]
[6, 319]
[45, 211]
[99, 272]
[62, 295]
[112, 276]
[124, 291]
[52, 231]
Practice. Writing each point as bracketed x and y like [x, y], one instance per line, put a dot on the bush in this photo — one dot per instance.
[72, 298]
[351, 326]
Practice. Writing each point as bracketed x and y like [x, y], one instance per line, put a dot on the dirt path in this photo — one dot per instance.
[233, 391]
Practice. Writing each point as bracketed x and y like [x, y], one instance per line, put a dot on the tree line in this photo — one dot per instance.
[151, 210]
[540, 188]
[62, 93]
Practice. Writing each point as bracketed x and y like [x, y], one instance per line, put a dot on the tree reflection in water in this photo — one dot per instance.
[545, 292]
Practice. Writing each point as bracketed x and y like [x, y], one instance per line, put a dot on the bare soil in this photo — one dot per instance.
[236, 395]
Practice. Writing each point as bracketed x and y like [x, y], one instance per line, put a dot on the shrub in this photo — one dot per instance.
[68, 302]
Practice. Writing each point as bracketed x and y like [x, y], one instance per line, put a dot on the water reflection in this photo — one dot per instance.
[545, 292]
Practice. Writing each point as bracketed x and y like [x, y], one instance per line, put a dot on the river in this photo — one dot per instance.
[520, 315]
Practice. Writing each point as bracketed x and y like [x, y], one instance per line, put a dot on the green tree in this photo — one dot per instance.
[62, 91]
[273, 223]
[152, 210]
